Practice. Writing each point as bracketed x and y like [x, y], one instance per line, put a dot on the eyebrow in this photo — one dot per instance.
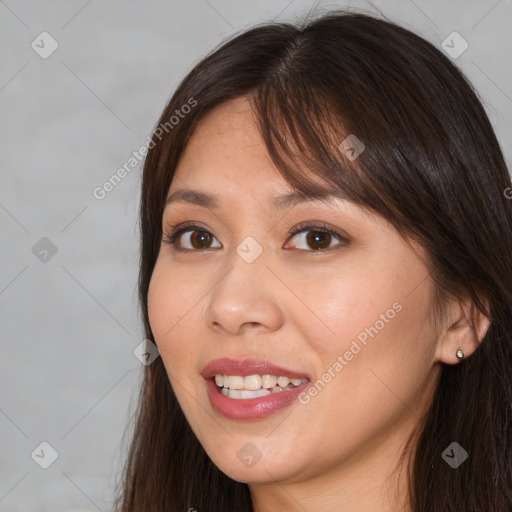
[278, 202]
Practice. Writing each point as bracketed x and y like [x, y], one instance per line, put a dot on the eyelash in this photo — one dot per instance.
[177, 231]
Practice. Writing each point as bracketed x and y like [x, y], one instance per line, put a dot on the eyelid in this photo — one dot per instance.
[322, 227]
[178, 229]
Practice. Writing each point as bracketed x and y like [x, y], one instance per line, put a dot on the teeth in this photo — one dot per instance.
[253, 394]
[255, 383]
[241, 394]
[268, 381]
[252, 382]
[235, 382]
[283, 381]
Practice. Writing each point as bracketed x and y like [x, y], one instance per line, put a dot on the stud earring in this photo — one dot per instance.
[460, 354]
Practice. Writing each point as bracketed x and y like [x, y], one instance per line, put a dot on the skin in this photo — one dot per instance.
[300, 308]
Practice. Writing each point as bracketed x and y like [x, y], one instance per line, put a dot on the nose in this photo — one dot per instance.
[244, 298]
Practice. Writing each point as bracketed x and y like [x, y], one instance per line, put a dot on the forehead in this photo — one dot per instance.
[226, 152]
[226, 162]
[227, 147]
[233, 123]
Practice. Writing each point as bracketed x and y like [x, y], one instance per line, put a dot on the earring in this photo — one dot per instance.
[460, 354]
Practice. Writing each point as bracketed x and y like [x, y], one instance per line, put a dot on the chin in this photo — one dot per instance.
[250, 465]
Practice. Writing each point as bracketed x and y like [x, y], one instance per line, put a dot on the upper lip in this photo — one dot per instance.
[243, 367]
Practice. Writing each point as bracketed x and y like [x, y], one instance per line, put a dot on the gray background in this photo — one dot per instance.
[69, 324]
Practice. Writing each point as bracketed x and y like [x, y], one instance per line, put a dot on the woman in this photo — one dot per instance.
[326, 270]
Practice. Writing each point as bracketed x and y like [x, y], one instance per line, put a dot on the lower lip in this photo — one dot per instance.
[251, 408]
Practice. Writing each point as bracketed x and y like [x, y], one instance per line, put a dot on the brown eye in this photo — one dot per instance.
[200, 239]
[318, 239]
[190, 238]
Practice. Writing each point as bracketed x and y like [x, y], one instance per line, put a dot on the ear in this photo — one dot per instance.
[464, 328]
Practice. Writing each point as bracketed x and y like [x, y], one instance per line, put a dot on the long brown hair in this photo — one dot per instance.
[432, 166]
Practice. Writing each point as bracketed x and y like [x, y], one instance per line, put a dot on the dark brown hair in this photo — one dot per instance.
[432, 166]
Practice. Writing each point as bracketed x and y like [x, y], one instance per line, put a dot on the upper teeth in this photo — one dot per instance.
[255, 382]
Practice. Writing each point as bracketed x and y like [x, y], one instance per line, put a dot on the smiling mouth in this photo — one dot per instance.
[255, 386]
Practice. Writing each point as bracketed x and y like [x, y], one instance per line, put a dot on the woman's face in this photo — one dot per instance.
[349, 313]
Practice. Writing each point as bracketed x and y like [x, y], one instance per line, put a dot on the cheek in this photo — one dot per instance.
[171, 297]
[161, 309]
[342, 305]
[375, 368]
[374, 316]
[170, 304]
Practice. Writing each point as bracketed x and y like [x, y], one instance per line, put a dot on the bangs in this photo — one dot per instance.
[319, 150]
